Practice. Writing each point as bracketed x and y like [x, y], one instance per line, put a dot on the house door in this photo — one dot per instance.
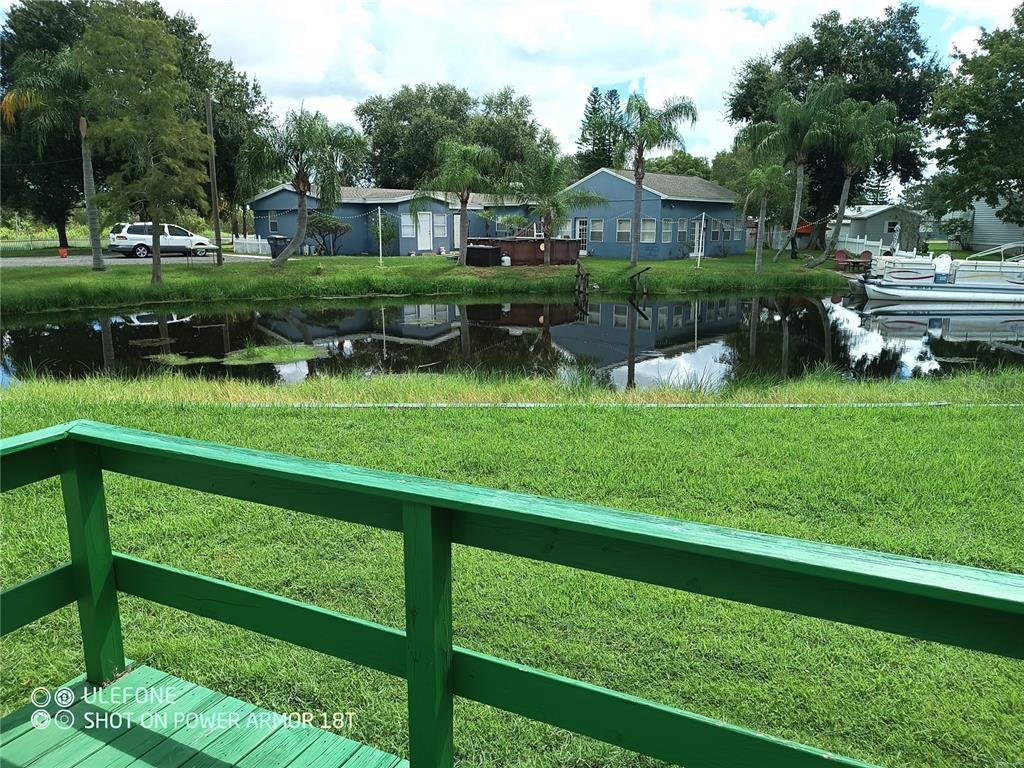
[581, 231]
[424, 231]
[457, 233]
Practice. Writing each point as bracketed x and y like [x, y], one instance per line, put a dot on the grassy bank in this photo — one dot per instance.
[942, 483]
[821, 387]
[28, 289]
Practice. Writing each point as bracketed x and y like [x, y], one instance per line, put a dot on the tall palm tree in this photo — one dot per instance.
[862, 133]
[462, 170]
[798, 127]
[51, 96]
[544, 187]
[765, 182]
[645, 128]
[310, 151]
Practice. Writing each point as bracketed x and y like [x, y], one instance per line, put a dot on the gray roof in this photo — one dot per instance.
[684, 187]
[385, 195]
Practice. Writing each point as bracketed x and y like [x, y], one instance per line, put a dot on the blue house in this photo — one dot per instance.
[674, 209]
[675, 212]
[434, 225]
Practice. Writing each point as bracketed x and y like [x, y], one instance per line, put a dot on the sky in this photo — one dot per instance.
[332, 55]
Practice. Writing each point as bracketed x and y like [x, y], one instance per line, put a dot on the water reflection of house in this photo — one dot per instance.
[417, 324]
[665, 328]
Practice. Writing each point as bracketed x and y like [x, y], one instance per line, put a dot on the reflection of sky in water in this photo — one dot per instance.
[291, 373]
[867, 345]
[706, 367]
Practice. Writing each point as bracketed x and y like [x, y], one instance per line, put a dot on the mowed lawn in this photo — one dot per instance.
[943, 483]
[34, 289]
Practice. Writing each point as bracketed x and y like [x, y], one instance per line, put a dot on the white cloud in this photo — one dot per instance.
[332, 54]
[964, 40]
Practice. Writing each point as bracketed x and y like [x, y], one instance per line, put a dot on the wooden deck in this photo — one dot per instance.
[149, 719]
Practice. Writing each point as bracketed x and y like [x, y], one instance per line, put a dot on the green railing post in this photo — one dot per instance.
[92, 562]
[428, 629]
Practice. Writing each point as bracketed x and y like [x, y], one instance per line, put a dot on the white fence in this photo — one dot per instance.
[855, 246]
[253, 246]
[33, 243]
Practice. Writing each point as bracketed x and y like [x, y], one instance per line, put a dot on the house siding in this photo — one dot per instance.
[619, 194]
[990, 231]
[361, 239]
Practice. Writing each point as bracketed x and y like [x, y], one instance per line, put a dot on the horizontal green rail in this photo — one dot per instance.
[956, 605]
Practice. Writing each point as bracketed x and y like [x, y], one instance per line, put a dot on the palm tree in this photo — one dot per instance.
[462, 170]
[765, 182]
[798, 127]
[544, 187]
[862, 133]
[310, 150]
[51, 94]
[645, 128]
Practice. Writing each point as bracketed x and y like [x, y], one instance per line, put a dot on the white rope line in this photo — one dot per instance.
[642, 406]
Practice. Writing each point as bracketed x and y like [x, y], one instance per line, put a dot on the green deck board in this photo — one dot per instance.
[192, 728]
[39, 742]
[17, 723]
[146, 734]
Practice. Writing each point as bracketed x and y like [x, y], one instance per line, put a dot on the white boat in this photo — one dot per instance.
[974, 279]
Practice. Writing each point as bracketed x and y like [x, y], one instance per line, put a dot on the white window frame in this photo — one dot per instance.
[662, 318]
[272, 222]
[443, 233]
[741, 230]
[895, 223]
[716, 232]
[643, 323]
[652, 235]
[408, 226]
[691, 230]
[727, 230]
[677, 316]
[666, 230]
[595, 231]
[681, 226]
[619, 232]
[594, 314]
[620, 316]
[564, 231]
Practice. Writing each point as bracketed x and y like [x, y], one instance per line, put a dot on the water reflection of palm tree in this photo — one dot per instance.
[107, 340]
[165, 336]
[631, 312]
[464, 340]
[755, 321]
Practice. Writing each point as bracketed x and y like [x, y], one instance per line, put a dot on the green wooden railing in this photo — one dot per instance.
[956, 605]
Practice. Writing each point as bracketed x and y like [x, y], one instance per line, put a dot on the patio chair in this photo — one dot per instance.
[861, 264]
[842, 260]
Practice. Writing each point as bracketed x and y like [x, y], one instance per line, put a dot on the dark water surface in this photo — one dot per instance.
[698, 341]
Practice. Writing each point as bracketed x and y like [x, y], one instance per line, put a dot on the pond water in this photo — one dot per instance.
[704, 341]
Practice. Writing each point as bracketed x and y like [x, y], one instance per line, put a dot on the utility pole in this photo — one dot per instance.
[214, 199]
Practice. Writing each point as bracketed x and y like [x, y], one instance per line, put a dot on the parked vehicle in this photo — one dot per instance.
[137, 240]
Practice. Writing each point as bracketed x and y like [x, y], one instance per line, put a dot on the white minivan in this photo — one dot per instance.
[137, 240]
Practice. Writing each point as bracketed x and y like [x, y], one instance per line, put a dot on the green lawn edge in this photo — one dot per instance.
[35, 289]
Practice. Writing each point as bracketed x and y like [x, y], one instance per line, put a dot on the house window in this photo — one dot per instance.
[677, 316]
[662, 318]
[594, 314]
[666, 230]
[623, 230]
[408, 225]
[693, 231]
[643, 323]
[564, 230]
[596, 231]
[727, 230]
[716, 233]
[741, 230]
[890, 227]
[619, 316]
[680, 230]
[272, 220]
[648, 230]
[501, 226]
[440, 225]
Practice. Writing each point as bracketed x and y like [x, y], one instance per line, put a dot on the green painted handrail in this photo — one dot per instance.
[957, 605]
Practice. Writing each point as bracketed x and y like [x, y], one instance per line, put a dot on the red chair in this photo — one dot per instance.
[842, 260]
[864, 261]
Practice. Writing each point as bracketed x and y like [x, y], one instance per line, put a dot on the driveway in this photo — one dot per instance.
[114, 260]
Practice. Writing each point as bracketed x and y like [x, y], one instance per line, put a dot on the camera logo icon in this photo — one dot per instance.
[64, 719]
[64, 697]
[40, 718]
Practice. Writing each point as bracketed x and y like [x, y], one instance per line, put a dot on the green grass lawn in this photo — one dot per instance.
[942, 483]
[26, 289]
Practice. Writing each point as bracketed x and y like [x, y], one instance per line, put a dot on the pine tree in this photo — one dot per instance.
[875, 190]
[612, 126]
[591, 130]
